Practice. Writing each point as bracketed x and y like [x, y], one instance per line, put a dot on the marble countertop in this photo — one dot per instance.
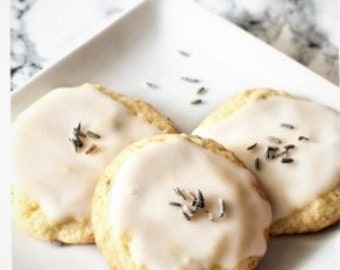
[44, 30]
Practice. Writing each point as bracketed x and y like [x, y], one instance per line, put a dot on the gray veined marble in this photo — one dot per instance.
[306, 30]
[25, 61]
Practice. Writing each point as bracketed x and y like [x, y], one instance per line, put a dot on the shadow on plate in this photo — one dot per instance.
[288, 252]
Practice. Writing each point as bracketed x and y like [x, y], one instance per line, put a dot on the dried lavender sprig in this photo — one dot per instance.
[270, 152]
[252, 146]
[183, 53]
[77, 143]
[77, 128]
[201, 91]
[287, 125]
[187, 217]
[194, 204]
[92, 134]
[151, 85]
[196, 101]
[191, 80]
[180, 193]
[222, 208]
[200, 199]
[187, 210]
[77, 131]
[289, 146]
[287, 160]
[257, 163]
[303, 138]
[177, 204]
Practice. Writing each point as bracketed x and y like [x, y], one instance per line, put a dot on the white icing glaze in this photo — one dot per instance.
[316, 166]
[160, 235]
[45, 164]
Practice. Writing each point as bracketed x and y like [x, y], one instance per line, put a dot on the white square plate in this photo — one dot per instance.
[142, 45]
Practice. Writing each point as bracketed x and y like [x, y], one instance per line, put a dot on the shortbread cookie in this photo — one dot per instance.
[292, 145]
[61, 144]
[179, 202]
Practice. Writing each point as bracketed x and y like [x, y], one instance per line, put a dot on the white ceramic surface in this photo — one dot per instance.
[142, 45]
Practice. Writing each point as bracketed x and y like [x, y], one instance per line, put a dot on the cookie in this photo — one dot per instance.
[61, 144]
[292, 145]
[179, 202]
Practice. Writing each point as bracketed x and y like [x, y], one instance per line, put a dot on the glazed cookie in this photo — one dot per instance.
[179, 202]
[60, 145]
[293, 146]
